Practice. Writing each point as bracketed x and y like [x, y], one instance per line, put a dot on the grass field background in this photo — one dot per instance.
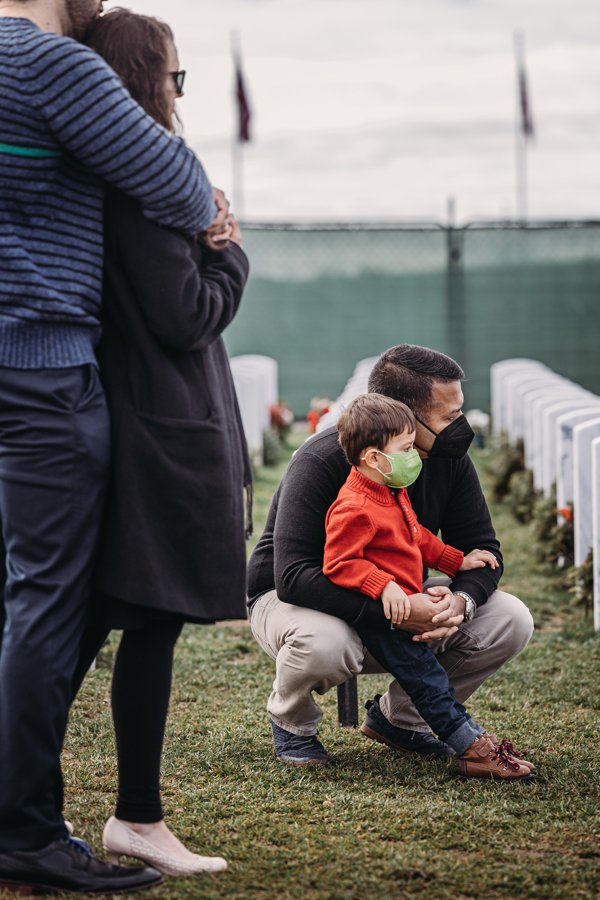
[375, 823]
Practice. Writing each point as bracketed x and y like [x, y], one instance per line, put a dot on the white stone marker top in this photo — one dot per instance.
[267, 370]
[518, 386]
[499, 373]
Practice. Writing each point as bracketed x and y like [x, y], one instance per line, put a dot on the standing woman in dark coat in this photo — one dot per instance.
[173, 548]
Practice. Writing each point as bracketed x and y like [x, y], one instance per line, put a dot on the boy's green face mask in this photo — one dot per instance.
[405, 468]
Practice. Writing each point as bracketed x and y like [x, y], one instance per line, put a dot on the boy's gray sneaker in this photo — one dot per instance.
[298, 750]
[377, 727]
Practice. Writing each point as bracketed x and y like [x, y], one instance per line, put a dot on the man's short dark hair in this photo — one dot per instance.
[371, 420]
[408, 372]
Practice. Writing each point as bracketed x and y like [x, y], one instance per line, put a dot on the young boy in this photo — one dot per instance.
[375, 545]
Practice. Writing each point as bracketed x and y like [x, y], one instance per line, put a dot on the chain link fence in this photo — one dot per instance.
[322, 297]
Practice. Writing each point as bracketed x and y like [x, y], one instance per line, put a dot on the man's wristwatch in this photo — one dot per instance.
[470, 605]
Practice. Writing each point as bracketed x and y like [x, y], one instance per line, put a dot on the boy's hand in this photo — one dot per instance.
[477, 559]
[396, 604]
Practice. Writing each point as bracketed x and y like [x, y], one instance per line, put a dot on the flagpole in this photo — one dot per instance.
[237, 153]
[237, 175]
[520, 132]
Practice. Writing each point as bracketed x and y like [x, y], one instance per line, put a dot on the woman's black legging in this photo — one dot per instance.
[141, 688]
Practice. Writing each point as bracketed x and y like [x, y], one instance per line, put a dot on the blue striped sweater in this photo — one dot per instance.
[67, 126]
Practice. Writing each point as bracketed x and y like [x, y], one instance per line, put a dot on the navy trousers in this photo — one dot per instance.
[54, 458]
[416, 669]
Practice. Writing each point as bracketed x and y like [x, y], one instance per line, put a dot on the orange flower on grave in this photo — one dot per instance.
[566, 512]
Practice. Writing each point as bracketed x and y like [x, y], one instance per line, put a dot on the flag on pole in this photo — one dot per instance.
[527, 129]
[243, 135]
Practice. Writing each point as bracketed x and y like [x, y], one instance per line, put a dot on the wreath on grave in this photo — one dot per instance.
[579, 580]
[555, 537]
[508, 460]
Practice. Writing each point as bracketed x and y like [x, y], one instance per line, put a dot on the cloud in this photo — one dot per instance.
[418, 96]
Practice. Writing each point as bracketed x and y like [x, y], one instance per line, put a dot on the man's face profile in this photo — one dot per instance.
[446, 405]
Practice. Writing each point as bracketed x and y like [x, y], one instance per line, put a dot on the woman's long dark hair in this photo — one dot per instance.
[135, 46]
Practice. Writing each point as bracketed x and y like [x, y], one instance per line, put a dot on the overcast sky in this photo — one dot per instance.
[380, 109]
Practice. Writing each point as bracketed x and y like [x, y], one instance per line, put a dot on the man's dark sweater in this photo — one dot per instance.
[447, 498]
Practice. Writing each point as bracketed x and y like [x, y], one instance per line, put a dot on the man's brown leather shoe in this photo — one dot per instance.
[516, 755]
[485, 758]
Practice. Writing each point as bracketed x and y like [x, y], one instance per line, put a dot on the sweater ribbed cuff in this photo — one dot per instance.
[471, 587]
[450, 561]
[374, 583]
[31, 344]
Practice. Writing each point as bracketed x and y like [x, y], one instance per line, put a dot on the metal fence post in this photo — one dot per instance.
[455, 290]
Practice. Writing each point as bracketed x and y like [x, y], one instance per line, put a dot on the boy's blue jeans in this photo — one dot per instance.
[417, 670]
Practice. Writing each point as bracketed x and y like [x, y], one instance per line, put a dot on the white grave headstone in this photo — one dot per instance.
[583, 436]
[250, 390]
[358, 383]
[364, 366]
[564, 451]
[270, 368]
[499, 373]
[265, 370]
[571, 394]
[596, 528]
[544, 393]
[550, 439]
[518, 385]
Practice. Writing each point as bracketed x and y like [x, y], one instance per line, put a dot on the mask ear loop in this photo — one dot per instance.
[424, 424]
[377, 469]
[431, 431]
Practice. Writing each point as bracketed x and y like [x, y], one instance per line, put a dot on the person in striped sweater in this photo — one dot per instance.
[67, 127]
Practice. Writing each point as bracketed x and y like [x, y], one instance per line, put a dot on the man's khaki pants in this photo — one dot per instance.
[314, 652]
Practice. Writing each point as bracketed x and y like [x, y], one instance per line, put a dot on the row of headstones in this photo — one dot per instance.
[356, 384]
[559, 424]
[256, 380]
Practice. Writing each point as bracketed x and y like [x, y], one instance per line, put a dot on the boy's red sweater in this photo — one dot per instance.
[373, 537]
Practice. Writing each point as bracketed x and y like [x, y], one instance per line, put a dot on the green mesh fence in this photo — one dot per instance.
[320, 299]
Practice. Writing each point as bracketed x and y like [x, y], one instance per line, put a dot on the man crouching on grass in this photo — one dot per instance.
[376, 545]
[307, 624]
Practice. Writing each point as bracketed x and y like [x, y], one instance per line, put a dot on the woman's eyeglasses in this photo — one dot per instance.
[179, 79]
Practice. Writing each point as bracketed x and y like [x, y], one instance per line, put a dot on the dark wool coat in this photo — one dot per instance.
[173, 537]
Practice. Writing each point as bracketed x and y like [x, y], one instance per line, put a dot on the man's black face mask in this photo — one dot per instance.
[452, 442]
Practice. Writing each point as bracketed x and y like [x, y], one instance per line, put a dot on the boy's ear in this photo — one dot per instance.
[370, 456]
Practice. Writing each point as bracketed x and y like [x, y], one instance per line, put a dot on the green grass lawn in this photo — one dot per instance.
[374, 823]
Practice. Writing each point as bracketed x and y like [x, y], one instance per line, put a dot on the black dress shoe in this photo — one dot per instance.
[70, 866]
